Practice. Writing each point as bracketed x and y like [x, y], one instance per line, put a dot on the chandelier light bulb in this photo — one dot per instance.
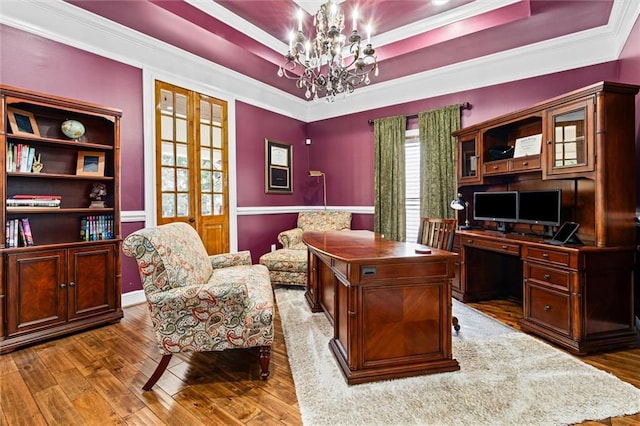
[355, 20]
[299, 19]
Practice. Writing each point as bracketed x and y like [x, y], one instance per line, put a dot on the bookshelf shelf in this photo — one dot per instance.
[32, 175]
[70, 280]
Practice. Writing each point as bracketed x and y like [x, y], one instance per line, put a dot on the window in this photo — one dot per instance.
[412, 183]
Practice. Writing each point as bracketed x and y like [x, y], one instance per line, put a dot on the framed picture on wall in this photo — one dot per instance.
[278, 167]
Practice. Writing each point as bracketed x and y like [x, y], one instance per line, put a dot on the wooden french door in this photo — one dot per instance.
[191, 163]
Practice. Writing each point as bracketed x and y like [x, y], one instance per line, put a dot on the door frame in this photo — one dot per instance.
[148, 110]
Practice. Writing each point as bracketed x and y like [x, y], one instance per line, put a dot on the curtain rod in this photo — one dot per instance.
[464, 105]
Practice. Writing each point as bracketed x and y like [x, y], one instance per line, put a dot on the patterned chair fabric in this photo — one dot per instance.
[198, 302]
[288, 265]
[314, 221]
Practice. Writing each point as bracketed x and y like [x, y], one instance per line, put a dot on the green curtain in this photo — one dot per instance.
[389, 177]
[437, 160]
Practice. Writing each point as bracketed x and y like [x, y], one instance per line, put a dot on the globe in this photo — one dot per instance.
[73, 129]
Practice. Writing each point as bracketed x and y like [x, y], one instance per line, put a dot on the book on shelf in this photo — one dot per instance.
[20, 157]
[23, 200]
[18, 233]
[96, 227]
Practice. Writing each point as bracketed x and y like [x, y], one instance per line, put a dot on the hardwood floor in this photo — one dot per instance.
[96, 378]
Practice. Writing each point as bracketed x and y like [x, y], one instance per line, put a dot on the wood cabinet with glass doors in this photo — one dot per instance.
[66, 276]
[579, 296]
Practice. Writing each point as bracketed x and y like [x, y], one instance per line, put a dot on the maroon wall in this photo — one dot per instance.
[253, 125]
[341, 147]
[630, 73]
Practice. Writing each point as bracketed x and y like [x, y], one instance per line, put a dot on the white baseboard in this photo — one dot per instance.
[133, 298]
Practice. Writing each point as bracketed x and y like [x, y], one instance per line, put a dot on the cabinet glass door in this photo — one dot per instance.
[468, 169]
[570, 148]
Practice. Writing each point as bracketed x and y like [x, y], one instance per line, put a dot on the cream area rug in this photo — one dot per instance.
[506, 378]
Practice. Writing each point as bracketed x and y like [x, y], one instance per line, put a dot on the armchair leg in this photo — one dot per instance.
[265, 357]
[162, 365]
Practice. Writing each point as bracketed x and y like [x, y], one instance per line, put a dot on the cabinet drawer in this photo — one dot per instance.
[555, 277]
[546, 255]
[494, 167]
[509, 248]
[526, 163]
[548, 308]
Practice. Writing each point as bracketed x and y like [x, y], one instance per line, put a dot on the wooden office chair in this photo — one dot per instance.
[438, 233]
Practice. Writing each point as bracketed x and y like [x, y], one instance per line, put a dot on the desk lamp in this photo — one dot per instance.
[460, 204]
[318, 173]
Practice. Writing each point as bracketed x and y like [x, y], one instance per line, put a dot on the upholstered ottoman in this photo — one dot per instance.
[286, 266]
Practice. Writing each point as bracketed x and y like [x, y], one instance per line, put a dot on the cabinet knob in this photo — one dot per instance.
[353, 314]
[547, 276]
[63, 285]
[548, 142]
[469, 241]
[192, 219]
[72, 284]
[504, 247]
[495, 167]
[525, 163]
[545, 255]
[547, 308]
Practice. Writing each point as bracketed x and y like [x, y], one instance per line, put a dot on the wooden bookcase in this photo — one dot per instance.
[578, 296]
[61, 283]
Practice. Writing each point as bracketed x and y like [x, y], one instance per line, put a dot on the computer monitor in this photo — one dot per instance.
[540, 208]
[497, 206]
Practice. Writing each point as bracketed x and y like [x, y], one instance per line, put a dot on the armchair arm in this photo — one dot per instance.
[290, 237]
[194, 299]
[226, 260]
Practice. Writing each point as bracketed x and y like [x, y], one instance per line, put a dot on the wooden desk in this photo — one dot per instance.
[390, 307]
[577, 296]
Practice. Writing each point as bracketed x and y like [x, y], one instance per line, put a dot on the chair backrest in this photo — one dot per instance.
[437, 233]
[168, 256]
[324, 220]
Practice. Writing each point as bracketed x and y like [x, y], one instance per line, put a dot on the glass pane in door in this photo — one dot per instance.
[570, 147]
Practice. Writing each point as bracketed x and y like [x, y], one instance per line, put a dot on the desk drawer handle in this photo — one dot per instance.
[547, 276]
[545, 255]
[495, 167]
[504, 247]
[470, 241]
[547, 308]
[525, 163]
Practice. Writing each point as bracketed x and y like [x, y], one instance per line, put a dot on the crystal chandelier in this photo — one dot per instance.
[318, 64]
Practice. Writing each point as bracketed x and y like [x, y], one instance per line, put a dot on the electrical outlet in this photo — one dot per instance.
[273, 247]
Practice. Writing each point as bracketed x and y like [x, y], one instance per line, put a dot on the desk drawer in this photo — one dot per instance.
[440, 269]
[496, 167]
[546, 255]
[548, 308]
[548, 276]
[526, 163]
[513, 249]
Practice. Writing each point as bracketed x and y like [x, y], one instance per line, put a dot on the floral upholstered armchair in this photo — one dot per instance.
[288, 265]
[198, 302]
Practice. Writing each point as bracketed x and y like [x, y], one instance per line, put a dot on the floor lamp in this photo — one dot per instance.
[460, 204]
[318, 173]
